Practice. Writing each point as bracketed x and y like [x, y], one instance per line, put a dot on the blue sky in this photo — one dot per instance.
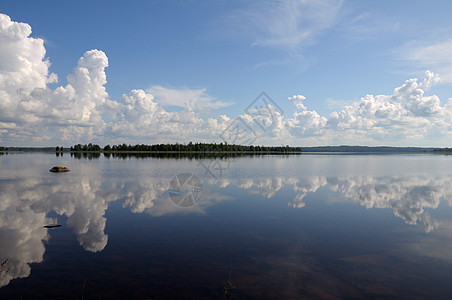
[180, 71]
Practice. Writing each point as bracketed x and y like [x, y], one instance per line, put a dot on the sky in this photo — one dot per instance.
[303, 73]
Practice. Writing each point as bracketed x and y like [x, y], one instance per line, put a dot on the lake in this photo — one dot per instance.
[310, 226]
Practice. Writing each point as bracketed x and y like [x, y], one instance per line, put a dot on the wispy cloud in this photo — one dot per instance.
[367, 25]
[288, 24]
[338, 103]
[429, 55]
[190, 99]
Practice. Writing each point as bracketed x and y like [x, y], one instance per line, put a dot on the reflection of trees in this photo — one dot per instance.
[89, 155]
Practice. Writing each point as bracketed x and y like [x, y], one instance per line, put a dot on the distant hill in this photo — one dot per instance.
[366, 149]
[32, 148]
[443, 150]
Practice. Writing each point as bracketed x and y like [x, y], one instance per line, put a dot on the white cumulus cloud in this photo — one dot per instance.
[406, 115]
[82, 111]
[32, 112]
[29, 110]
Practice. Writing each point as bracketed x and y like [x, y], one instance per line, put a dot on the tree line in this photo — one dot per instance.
[90, 147]
[190, 147]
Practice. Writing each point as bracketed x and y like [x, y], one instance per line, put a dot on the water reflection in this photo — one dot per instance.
[213, 156]
[409, 197]
[25, 203]
[22, 237]
[85, 197]
[89, 155]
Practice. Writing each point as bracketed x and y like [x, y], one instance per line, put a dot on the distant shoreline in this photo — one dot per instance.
[219, 149]
[304, 151]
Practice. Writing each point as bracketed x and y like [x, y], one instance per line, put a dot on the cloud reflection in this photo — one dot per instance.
[26, 203]
[408, 197]
[21, 241]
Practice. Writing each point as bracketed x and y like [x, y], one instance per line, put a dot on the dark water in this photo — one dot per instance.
[275, 227]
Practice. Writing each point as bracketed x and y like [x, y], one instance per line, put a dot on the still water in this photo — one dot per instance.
[264, 227]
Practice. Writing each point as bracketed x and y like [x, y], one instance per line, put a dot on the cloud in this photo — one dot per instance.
[32, 112]
[287, 24]
[297, 100]
[80, 103]
[82, 111]
[189, 99]
[369, 25]
[335, 104]
[140, 116]
[408, 114]
[429, 55]
[22, 64]
[306, 123]
[23, 67]
[29, 110]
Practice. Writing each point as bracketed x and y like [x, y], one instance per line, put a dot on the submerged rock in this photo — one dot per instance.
[52, 226]
[59, 169]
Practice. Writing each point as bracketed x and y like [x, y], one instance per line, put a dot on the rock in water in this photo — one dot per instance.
[52, 226]
[59, 169]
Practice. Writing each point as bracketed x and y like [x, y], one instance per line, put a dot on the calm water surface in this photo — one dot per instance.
[268, 227]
